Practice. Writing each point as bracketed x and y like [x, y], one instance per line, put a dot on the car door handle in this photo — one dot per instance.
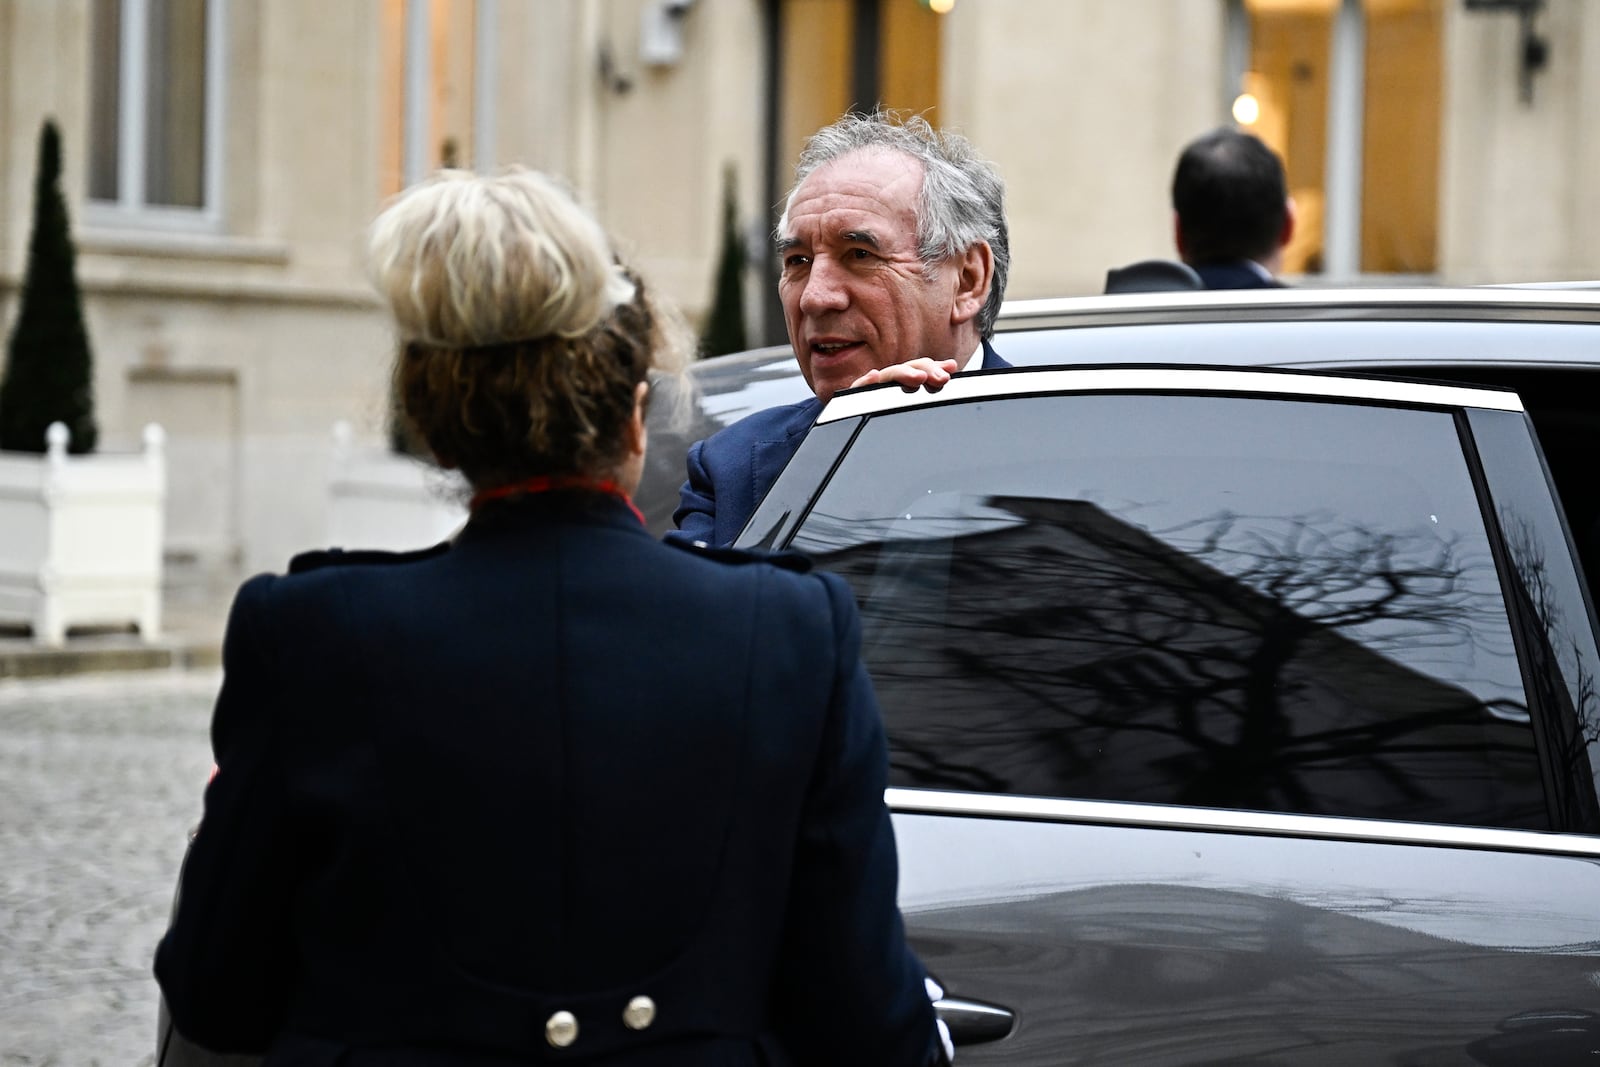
[973, 1022]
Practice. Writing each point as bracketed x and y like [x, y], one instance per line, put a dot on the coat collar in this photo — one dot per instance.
[576, 507]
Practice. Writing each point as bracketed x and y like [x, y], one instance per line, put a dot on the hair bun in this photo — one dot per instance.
[464, 260]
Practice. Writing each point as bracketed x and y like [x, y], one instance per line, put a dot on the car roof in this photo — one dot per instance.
[1418, 331]
[1353, 328]
[1483, 335]
[1380, 330]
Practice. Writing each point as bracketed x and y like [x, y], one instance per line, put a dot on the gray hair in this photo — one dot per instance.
[962, 201]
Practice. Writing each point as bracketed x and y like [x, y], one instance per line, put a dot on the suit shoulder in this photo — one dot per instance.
[338, 557]
[796, 562]
[779, 422]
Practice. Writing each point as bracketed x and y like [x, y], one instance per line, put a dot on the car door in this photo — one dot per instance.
[1235, 716]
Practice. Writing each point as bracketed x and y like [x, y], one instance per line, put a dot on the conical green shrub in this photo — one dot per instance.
[725, 329]
[49, 372]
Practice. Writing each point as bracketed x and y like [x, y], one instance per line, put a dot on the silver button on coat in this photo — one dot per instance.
[561, 1029]
[640, 1013]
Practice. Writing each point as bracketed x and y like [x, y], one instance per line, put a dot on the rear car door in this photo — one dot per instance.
[1235, 716]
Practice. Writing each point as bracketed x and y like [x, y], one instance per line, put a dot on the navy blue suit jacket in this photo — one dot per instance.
[730, 471]
[1233, 274]
[551, 766]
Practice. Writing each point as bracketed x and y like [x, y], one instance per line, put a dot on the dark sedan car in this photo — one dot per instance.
[1239, 667]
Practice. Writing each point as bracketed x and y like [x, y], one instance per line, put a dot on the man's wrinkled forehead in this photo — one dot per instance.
[890, 164]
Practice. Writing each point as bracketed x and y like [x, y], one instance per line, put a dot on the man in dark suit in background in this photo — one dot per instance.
[1233, 212]
[895, 254]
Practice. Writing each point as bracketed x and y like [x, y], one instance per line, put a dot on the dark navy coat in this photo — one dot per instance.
[552, 766]
[730, 471]
[1234, 274]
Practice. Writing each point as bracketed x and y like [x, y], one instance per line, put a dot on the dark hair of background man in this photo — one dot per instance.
[1230, 194]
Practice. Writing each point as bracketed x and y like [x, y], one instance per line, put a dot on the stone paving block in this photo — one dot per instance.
[101, 778]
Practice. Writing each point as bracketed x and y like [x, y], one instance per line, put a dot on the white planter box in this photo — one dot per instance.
[80, 538]
[379, 499]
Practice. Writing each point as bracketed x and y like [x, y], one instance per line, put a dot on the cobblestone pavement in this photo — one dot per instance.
[100, 781]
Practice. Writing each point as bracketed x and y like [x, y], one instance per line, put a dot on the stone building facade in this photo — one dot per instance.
[224, 157]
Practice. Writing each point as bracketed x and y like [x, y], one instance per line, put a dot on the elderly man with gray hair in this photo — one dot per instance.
[894, 260]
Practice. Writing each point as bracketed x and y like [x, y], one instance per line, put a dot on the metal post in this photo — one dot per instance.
[1235, 54]
[132, 104]
[418, 68]
[485, 69]
[216, 61]
[1341, 223]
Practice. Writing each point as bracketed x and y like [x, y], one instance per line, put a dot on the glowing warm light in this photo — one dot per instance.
[1246, 109]
[941, 7]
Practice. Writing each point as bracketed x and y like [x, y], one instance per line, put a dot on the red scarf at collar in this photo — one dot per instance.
[550, 483]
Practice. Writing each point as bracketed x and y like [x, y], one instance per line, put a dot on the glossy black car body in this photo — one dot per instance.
[1240, 677]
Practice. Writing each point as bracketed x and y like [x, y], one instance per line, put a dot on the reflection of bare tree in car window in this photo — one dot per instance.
[1556, 661]
[1114, 633]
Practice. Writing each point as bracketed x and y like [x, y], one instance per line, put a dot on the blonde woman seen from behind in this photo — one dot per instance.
[554, 790]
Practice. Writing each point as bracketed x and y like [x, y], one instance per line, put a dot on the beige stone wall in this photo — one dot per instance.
[1520, 184]
[664, 146]
[275, 303]
[9, 256]
[255, 338]
[250, 339]
[1084, 106]
[43, 52]
[539, 113]
[645, 146]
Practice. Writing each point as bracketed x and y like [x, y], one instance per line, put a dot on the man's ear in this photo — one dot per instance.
[1177, 237]
[974, 275]
[1287, 233]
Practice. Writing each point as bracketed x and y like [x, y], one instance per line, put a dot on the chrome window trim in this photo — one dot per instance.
[1219, 820]
[965, 387]
[1418, 298]
[1413, 304]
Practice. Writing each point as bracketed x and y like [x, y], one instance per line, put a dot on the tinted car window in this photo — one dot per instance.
[1203, 600]
[1561, 650]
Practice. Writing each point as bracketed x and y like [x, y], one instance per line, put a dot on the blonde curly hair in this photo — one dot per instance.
[523, 339]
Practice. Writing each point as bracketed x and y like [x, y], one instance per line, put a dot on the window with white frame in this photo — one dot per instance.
[438, 70]
[155, 110]
[1350, 94]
